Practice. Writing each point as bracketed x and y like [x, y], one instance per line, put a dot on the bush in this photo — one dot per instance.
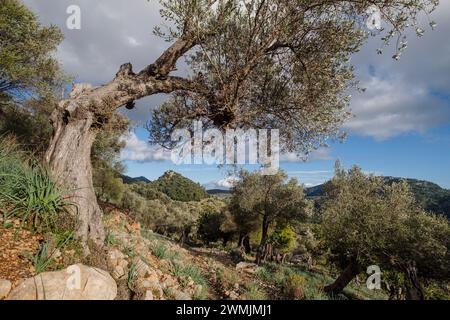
[254, 292]
[283, 239]
[27, 191]
[294, 287]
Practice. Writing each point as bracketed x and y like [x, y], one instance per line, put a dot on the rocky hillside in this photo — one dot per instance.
[138, 264]
[429, 195]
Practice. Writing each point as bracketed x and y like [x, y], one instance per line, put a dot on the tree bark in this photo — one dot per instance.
[414, 290]
[246, 244]
[262, 246]
[68, 157]
[349, 273]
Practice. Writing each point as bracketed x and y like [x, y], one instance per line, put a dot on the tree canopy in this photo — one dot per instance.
[274, 64]
[27, 63]
[367, 222]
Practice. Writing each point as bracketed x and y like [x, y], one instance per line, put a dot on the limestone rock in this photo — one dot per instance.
[77, 282]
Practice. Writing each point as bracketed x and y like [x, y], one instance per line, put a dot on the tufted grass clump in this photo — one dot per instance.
[27, 190]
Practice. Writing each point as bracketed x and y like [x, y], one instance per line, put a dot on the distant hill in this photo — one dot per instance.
[180, 188]
[174, 185]
[429, 195]
[130, 180]
[220, 193]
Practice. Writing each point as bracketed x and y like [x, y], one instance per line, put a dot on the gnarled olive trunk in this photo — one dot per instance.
[78, 119]
[349, 273]
[414, 290]
[68, 157]
[261, 254]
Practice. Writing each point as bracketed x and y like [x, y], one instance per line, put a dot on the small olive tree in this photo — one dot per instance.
[366, 222]
[268, 199]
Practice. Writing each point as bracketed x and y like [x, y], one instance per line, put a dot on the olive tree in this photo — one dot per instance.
[268, 199]
[31, 80]
[367, 222]
[293, 52]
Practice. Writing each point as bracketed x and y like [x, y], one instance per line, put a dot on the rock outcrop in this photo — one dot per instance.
[77, 282]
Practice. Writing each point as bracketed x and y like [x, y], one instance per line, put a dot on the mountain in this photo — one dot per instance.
[130, 180]
[180, 188]
[174, 185]
[428, 194]
[219, 193]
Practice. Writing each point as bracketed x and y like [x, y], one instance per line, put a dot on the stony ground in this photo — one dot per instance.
[171, 271]
[17, 247]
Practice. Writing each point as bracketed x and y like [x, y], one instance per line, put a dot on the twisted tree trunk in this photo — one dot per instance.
[349, 273]
[78, 119]
[69, 159]
[414, 290]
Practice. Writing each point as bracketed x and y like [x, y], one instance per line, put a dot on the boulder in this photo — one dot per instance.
[77, 282]
[5, 288]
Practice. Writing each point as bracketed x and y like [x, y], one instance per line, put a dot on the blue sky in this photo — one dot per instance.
[401, 124]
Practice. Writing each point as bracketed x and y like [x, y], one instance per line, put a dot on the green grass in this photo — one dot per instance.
[183, 272]
[132, 276]
[129, 251]
[43, 259]
[254, 292]
[314, 283]
[26, 189]
[110, 239]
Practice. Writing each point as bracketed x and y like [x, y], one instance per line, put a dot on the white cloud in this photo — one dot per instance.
[394, 106]
[133, 41]
[142, 151]
[225, 183]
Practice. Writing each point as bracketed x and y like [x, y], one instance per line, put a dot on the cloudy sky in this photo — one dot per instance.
[401, 124]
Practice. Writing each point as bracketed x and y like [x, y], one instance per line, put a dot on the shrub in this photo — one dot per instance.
[294, 287]
[226, 280]
[283, 238]
[254, 292]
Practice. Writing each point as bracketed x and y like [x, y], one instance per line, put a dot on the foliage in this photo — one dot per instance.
[428, 195]
[42, 259]
[156, 211]
[108, 186]
[226, 280]
[132, 276]
[264, 201]
[283, 238]
[274, 64]
[26, 189]
[107, 167]
[184, 272]
[368, 222]
[180, 188]
[27, 63]
[294, 287]
[215, 225]
[31, 81]
[254, 292]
